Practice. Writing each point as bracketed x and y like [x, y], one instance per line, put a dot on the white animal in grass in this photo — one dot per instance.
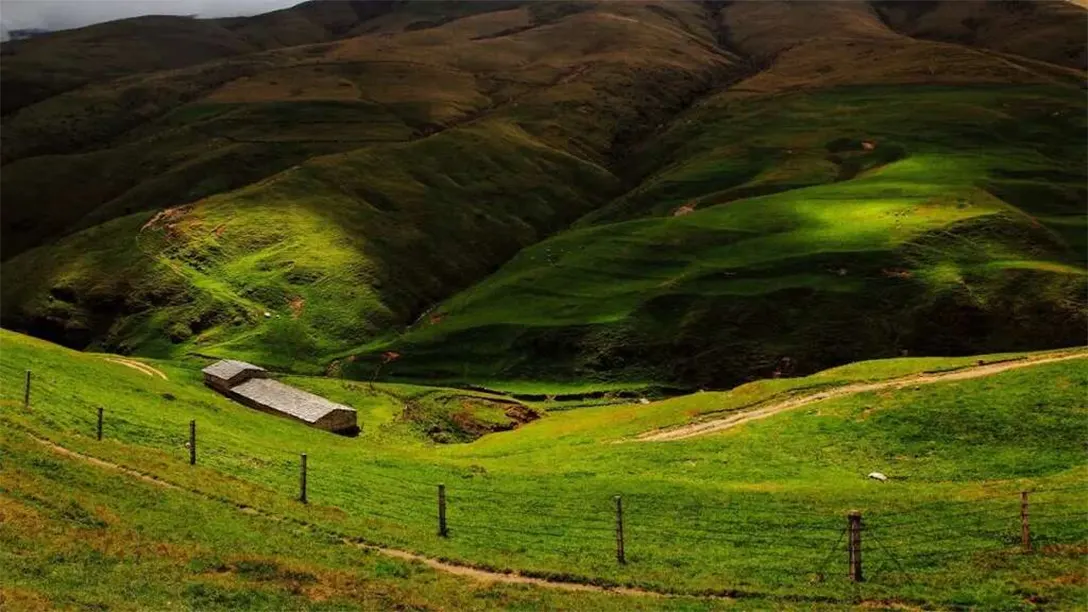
[878, 476]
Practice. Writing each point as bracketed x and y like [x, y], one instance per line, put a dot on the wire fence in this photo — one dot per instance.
[787, 539]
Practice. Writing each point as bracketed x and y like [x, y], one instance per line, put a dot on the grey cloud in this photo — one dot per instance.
[63, 14]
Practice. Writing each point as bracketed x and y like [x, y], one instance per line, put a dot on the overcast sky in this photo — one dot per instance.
[61, 14]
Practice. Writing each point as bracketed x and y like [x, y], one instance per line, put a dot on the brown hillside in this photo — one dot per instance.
[43, 66]
[583, 78]
[1054, 31]
[37, 68]
[764, 29]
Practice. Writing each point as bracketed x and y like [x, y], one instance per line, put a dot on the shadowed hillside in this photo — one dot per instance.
[677, 192]
[1048, 30]
[770, 246]
[504, 125]
[44, 66]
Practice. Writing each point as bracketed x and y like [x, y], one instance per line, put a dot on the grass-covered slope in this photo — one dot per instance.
[151, 141]
[754, 510]
[729, 191]
[338, 248]
[934, 220]
[866, 194]
[76, 535]
[469, 140]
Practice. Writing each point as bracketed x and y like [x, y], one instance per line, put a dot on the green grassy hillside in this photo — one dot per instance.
[78, 536]
[755, 511]
[516, 237]
[458, 160]
[674, 193]
[337, 248]
[768, 236]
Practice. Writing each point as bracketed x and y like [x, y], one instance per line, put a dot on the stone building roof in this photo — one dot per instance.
[229, 368]
[286, 399]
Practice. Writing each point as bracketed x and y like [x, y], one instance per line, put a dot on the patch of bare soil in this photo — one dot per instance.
[139, 366]
[296, 304]
[467, 424]
[167, 218]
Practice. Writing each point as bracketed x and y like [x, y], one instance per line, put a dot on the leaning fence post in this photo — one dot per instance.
[26, 391]
[302, 480]
[99, 431]
[1025, 526]
[442, 531]
[854, 545]
[192, 442]
[620, 557]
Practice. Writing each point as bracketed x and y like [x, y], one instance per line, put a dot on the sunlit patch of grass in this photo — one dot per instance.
[1048, 266]
[760, 223]
[908, 232]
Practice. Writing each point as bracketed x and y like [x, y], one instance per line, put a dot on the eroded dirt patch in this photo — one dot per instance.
[137, 365]
[463, 418]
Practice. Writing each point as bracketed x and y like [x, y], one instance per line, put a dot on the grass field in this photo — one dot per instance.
[755, 511]
[77, 536]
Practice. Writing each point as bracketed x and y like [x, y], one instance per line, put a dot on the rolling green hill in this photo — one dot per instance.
[767, 237]
[713, 263]
[754, 512]
[674, 193]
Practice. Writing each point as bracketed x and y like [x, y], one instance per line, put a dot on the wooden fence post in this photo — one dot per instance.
[442, 531]
[854, 545]
[302, 480]
[621, 558]
[192, 442]
[26, 391]
[99, 432]
[1025, 526]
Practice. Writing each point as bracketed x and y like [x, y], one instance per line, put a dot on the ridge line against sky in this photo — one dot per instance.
[67, 14]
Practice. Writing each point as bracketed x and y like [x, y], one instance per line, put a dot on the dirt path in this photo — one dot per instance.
[466, 571]
[514, 578]
[137, 365]
[53, 446]
[716, 425]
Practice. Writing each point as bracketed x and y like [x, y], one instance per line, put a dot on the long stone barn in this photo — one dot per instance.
[248, 384]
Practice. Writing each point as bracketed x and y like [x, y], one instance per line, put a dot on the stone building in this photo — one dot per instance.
[248, 384]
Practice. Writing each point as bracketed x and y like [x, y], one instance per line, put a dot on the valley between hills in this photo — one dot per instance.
[718, 272]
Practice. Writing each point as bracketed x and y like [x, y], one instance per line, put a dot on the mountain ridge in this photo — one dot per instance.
[384, 177]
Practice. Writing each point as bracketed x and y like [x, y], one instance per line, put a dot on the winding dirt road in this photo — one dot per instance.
[713, 426]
